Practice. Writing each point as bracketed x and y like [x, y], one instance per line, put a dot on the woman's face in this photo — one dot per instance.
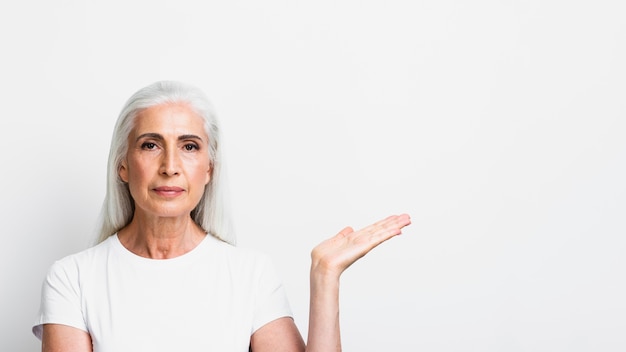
[167, 165]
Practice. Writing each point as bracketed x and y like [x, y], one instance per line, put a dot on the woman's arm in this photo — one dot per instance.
[280, 335]
[63, 338]
[328, 261]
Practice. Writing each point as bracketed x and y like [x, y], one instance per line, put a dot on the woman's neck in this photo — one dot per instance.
[160, 238]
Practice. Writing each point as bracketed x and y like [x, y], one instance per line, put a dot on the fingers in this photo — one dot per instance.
[385, 229]
[391, 223]
[399, 221]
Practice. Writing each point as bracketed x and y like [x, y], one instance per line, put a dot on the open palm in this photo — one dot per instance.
[336, 254]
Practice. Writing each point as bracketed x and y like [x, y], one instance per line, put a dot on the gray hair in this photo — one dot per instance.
[118, 207]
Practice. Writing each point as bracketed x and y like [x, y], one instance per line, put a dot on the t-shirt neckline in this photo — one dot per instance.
[184, 257]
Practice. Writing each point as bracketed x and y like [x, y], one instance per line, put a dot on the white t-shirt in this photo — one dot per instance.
[210, 299]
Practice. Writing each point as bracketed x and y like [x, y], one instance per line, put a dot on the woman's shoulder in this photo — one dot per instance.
[241, 255]
[81, 259]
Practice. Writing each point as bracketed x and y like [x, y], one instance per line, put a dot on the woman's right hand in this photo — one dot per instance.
[334, 255]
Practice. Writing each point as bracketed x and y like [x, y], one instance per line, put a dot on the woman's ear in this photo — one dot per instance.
[208, 174]
[123, 171]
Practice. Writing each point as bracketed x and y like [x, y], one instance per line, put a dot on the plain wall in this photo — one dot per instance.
[498, 125]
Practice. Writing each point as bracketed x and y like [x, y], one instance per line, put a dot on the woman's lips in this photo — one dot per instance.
[169, 191]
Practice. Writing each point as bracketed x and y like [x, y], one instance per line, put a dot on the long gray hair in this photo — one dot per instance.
[118, 207]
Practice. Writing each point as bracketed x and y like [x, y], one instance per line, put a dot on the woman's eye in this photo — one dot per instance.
[190, 147]
[148, 145]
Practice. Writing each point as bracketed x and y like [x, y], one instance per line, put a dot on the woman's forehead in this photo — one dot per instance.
[169, 119]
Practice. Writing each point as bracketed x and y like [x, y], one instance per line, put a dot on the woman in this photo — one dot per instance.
[166, 275]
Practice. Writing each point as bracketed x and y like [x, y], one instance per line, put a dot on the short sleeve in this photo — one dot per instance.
[60, 298]
[271, 299]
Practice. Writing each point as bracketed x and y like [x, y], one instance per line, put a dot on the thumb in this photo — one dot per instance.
[346, 231]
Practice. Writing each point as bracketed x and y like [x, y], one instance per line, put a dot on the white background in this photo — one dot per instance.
[498, 125]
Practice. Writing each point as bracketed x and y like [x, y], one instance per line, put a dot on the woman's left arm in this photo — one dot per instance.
[328, 261]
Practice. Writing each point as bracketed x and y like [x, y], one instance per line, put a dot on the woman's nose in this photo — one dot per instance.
[170, 164]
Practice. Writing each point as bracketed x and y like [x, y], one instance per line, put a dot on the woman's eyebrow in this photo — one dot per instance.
[189, 136]
[150, 135]
[160, 137]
